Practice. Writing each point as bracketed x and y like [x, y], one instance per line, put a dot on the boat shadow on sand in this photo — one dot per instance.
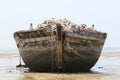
[85, 75]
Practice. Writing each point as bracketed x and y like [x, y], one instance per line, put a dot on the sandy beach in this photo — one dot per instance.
[107, 68]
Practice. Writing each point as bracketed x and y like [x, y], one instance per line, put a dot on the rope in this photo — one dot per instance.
[19, 65]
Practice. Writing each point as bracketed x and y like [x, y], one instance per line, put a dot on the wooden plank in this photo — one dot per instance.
[59, 46]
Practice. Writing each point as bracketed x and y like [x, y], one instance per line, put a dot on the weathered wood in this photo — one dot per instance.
[77, 51]
[59, 46]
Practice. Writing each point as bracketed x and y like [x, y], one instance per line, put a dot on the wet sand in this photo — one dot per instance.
[107, 68]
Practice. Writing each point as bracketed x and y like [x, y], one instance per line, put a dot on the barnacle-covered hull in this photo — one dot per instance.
[39, 49]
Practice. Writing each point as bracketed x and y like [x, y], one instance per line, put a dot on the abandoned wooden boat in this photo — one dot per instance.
[60, 49]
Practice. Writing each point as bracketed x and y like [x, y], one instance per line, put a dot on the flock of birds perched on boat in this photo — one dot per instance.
[67, 25]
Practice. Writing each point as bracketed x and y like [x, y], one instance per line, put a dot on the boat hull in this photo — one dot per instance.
[39, 60]
[80, 51]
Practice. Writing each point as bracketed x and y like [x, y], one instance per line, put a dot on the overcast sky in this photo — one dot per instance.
[17, 14]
